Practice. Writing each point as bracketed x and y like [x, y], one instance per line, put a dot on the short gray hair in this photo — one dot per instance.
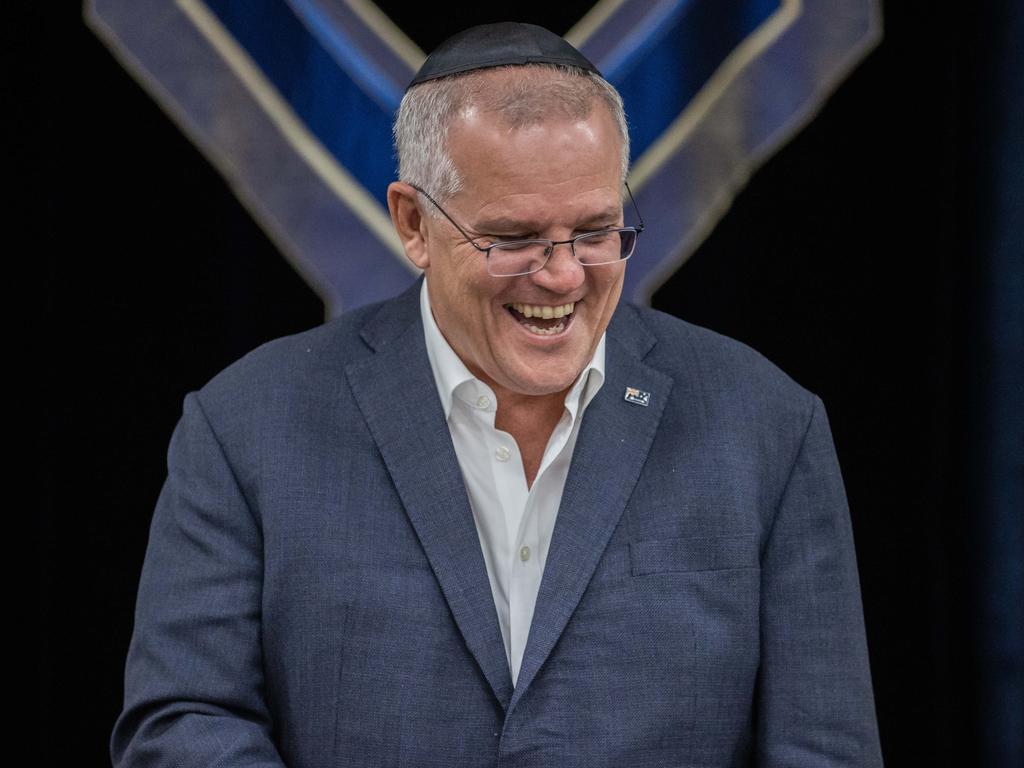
[421, 126]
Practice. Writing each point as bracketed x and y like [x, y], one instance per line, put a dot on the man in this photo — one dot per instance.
[502, 519]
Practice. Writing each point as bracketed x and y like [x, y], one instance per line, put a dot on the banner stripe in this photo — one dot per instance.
[292, 100]
[294, 130]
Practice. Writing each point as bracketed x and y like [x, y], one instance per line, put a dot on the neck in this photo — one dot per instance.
[530, 419]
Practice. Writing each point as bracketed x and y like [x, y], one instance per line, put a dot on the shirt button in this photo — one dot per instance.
[502, 453]
[524, 554]
[483, 401]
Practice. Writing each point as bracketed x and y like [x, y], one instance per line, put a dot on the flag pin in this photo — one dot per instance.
[637, 396]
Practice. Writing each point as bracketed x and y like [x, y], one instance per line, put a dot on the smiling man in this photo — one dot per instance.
[524, 316]
[502, 519]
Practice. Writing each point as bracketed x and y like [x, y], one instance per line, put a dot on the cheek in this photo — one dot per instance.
[475, 307]
[607, 287]
[456, 283]
[470, 280]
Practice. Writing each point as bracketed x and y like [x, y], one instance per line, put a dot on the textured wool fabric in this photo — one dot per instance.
[314, 592]
[509, 516]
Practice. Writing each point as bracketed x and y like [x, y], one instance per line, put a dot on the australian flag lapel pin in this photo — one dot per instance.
[637, 396]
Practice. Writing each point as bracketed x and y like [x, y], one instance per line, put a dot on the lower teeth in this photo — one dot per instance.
[545, 331]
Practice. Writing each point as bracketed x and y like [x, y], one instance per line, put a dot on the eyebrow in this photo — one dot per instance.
[508, 224]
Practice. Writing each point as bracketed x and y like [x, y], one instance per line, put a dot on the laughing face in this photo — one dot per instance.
[530, 334]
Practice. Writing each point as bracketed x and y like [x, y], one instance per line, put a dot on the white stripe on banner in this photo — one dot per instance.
[294, 131]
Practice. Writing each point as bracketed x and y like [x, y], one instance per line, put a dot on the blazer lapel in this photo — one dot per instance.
[611, 449]
[395, 391]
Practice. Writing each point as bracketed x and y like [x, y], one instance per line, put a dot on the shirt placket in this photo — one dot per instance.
[510, 484]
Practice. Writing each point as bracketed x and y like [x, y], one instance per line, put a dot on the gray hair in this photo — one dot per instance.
[421, 126]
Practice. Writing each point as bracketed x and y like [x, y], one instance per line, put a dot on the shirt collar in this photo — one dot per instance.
[450, 373]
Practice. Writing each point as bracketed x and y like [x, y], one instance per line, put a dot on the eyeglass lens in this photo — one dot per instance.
[521, 258]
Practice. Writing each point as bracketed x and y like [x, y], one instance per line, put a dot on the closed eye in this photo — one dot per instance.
[517, 236]
[516, 245]
[503, 239]
[598, 228]
[492, 238]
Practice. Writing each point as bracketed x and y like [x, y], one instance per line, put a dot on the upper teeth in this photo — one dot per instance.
[534, 310]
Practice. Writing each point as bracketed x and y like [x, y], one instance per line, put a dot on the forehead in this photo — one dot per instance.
[558, 161]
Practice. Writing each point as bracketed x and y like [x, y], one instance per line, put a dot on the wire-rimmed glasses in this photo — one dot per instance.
[511, 258]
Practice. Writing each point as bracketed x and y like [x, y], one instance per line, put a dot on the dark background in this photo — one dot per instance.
[855, 259]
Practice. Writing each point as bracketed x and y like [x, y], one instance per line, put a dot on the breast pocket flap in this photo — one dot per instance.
[694, 553]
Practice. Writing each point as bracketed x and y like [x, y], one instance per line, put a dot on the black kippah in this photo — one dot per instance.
[497, 45]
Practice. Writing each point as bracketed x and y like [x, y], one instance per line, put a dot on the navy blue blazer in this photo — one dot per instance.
[314, 592]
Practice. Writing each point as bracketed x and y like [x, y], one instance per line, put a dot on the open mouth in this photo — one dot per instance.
[543, 320]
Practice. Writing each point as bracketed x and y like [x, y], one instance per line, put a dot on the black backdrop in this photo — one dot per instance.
[849, 260]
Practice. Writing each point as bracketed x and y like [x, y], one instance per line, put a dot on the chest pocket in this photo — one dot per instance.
[693, 553]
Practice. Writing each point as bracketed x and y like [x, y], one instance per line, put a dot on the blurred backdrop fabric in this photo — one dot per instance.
[997, 391]
[875, 256]
[292, 101]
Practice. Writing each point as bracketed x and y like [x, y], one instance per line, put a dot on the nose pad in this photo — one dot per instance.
[561, 272]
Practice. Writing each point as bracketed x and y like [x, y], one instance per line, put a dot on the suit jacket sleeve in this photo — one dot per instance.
[194, 676]
[814, 703]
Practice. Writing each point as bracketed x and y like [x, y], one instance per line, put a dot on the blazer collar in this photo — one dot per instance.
[395, 392]
[413, 438]
[615, 438]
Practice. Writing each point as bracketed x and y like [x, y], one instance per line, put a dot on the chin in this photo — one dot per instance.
[545, 386]
[541, 374]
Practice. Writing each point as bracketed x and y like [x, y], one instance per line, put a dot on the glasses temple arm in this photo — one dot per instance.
[635, 208]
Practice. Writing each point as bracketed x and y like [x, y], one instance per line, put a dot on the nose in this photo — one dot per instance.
[562, 273]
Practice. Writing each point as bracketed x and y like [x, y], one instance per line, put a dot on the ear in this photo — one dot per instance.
[411, 225]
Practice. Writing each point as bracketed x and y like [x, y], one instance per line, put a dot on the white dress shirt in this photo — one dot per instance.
[514, 522]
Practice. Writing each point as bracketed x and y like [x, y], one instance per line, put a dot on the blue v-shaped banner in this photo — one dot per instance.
[292, 100]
